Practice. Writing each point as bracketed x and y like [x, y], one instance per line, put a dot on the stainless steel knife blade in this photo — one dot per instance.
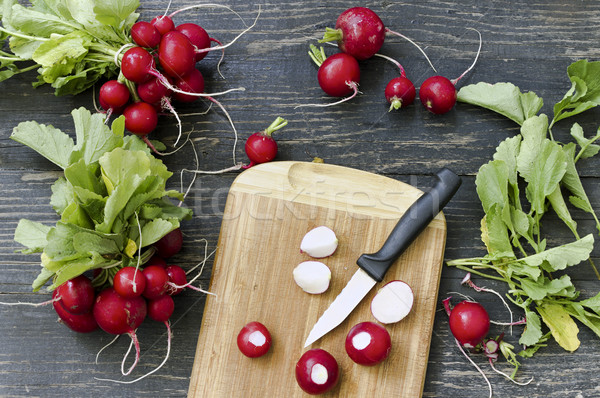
[372, 267]
[357, 287]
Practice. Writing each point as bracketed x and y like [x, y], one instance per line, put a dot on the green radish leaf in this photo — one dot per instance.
[48, 141]
[156, 229]
[561, 257]
[533, 331]
[115, 12]
[588, 148]
[538, 290]
[585, 90]
[73, 268]
[495, 235]
[561, 325]
[557, 201]
[94, 137]
[39, 24]
[503, 98]
[62, 195]
[492, 185]
[75, 215]
[32, 235]
[43, 277]
[59, 56]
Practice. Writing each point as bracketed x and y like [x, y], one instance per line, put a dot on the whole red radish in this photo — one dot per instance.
[400, 92]
[317, 371]
[358, 31]
[254, 340]
[113, 95]
[77, 295]
[141, 118]
[80, 323]
[170, 244]
[153, 90]
[469, 323]
[176, 54]
[177, 277]
[160, 309]
[129, 282]
[261, 147]
[119, 315]
[156, 282]
[197, 36]
[193, 82]
[145, 34]
[136, 65]
[438, 94]
[163, 23]
[368, 343]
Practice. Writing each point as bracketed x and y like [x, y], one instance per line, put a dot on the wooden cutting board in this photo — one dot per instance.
[269, 209]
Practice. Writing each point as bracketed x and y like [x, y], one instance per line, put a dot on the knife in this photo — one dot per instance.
[372, 267]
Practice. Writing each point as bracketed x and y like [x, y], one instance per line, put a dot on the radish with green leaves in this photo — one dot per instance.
[260, 147]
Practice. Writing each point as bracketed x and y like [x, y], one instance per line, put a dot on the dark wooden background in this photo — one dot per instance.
[528, 43]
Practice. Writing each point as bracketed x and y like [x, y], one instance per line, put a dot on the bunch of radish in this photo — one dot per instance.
[136, 293]
[360, 34]
[157, 69]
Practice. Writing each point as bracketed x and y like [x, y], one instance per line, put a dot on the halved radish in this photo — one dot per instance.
[392, 302]
[312, 276]
[319, 242]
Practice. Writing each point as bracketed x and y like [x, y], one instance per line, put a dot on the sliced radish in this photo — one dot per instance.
[312, 276]
[393, 302]
[368, 343]
[254, 340]
[319, 242]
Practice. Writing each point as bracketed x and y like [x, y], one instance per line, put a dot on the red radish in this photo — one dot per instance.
[193, 82]
[438, 93]
[113, 96]
[261, 147]
[338, 74]
[177, 277]
[129, 282]
[176, 54]
[254, 340]
[469, 323]
[393, 302]
[170, 244]
[197, 36]
[141, 118]
[400, 92]
[317, 371]
[163, 24]
[358, 31]
[136, 65]
[145, 34]
[118, 315]
[153, 91]
[156, 282]
[368, 343]
[76, 295]
[160, 309]
[80, 323]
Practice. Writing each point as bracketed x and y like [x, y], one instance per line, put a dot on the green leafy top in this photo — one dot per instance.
[73, 43]
[112, 199]
[517, 251]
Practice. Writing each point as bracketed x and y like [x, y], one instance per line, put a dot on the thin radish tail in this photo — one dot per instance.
[169, 336]
[387, 30]
[204, 6]
[189, 286]
[235, 133]
[212, 39]
[392, 60]
[454, 81]
[163, 80]
[43, 303]
[352, 85]
[135, 342]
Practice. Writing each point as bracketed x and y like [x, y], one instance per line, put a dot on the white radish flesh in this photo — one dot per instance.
[312, 276]
[393, 302]
[319, 242]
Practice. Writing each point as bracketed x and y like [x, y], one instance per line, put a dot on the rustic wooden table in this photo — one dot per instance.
[527, 43]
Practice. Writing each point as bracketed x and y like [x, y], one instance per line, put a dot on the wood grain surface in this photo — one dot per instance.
[269, 209]
[528, 43]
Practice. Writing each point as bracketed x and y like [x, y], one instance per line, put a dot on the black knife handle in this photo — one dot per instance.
[411, 224]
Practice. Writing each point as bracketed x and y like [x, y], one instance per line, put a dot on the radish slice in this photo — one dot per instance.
[319, 242]
[312, 276]
[393, 302]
